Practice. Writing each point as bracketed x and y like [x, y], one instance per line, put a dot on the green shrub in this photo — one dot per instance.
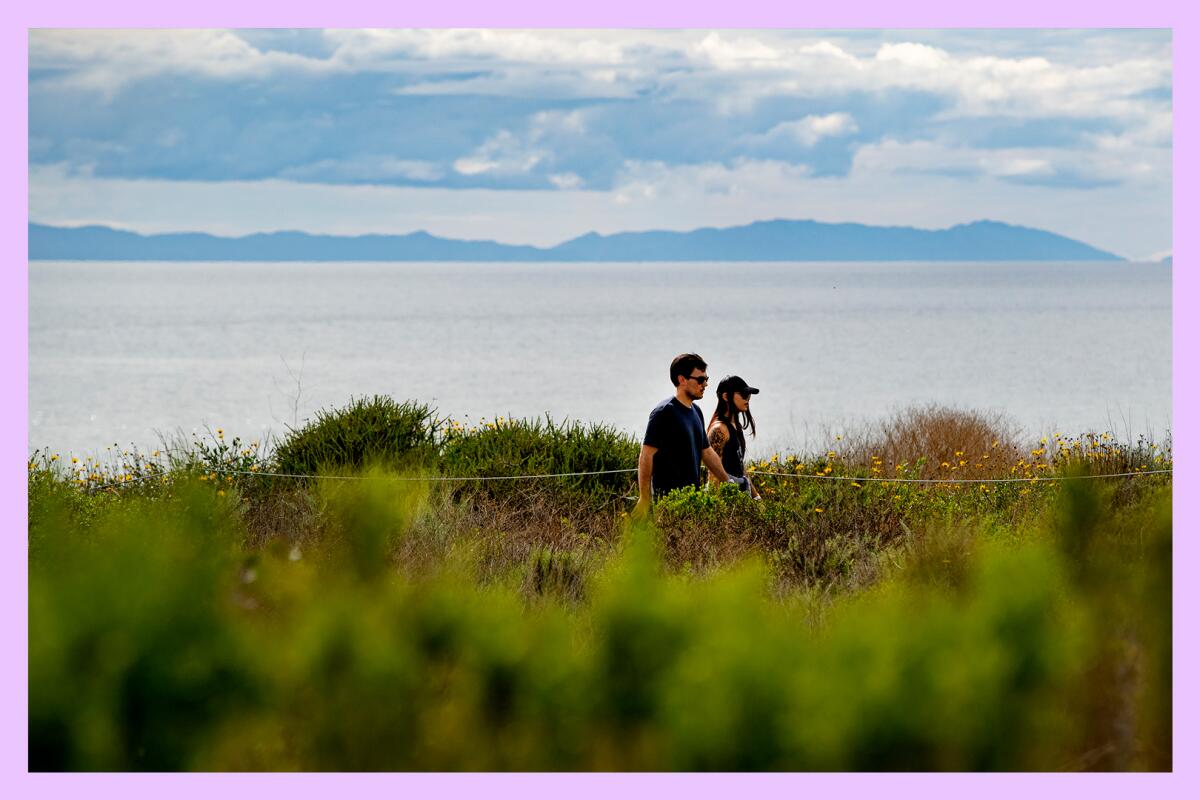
[1024, 627]
[375, 431]
[365, 519]
[543, 447]
[812, 537]
[134, 659]
[550, 572]
[158, 644]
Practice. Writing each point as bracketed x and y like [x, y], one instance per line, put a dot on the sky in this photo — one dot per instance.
[538, 136]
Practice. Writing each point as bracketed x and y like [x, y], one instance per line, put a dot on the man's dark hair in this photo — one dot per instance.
[683, 365]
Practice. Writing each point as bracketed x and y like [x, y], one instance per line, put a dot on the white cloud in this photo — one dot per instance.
[506, 153]
[546, 122]
[977, 85]
[365, 168]
[105, 61]
[502, 154]
[733, 70]
[1122, 162]
[371, 46]
[566, 180]
[807, 131]
[534, 82]
[726, 52]
[657, 180]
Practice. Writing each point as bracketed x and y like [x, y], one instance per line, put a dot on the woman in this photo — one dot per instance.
[726, 429]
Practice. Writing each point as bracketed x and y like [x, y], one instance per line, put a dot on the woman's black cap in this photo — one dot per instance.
[732, 383]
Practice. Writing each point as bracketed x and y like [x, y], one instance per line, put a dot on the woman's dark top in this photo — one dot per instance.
[734, 452]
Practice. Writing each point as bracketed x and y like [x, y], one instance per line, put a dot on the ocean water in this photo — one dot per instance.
[125, 353]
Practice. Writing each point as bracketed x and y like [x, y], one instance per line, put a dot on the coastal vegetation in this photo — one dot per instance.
[388, 589]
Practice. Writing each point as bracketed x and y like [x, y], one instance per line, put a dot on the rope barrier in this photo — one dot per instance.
[432, 478]
[1035, 479]
[481, 478]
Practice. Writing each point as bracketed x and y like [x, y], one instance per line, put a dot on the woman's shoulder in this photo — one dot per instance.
[718, 425]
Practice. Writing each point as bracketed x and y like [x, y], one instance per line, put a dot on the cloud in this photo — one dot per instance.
[634, 116]
[732, 69]
[107, 61]
[807, 131]
[734, 52]
[509, 154]
[503, 154]
[566, 180]
[656, 180]
[1050, 166]
[365, 169]
[375, 46]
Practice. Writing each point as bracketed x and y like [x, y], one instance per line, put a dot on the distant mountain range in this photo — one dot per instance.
[776, 240]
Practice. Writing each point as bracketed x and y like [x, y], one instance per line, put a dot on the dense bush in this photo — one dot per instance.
[181, 620]
[136, 653]
[543, 447]
[162, 643]
[375, 431]
[816, 534]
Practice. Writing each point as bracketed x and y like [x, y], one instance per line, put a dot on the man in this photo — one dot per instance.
[675, 441]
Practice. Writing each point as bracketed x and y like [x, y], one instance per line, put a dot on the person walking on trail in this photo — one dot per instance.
[675, 441]
[727, 428]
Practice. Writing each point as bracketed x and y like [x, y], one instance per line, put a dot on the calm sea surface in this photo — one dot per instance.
[120, 352]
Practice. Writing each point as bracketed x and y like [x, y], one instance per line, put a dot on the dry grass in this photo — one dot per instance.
[287, 514]
[978, 443]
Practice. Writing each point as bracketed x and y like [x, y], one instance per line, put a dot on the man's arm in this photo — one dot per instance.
[645, 472]
[713, 462]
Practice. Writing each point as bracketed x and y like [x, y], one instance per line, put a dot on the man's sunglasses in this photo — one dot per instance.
[703, 379]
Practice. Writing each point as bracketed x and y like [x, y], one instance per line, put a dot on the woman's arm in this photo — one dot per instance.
[718, 437]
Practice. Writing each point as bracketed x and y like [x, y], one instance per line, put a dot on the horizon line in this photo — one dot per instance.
[548, 248]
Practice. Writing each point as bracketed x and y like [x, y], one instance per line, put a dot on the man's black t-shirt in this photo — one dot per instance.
[678, 433]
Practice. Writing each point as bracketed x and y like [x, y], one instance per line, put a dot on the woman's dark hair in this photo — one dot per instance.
[736, 420]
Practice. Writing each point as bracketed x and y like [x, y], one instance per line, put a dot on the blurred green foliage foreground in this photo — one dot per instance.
[191, 618]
